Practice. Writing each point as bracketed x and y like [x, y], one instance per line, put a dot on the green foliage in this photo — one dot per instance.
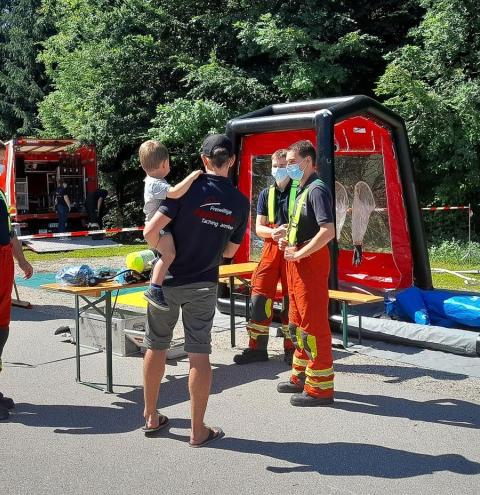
[433, 83]
[182, 126]
[23, 82]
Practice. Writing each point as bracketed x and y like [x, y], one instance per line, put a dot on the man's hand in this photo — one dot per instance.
[279, 233]
[282, 244]
[26, 268]
[292, 254]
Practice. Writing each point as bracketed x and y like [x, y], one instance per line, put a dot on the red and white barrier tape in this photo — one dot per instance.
[80, 233]
[439, 208]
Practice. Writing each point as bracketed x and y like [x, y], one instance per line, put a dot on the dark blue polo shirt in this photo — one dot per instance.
[209, 215]
[281, 204]
[317, 209]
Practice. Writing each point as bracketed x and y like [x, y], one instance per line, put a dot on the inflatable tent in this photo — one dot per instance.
[363, 156]
[362, 148]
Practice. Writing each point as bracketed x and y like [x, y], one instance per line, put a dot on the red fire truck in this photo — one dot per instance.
[33, 169]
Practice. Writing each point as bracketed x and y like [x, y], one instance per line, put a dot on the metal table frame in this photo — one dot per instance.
[107, 314]
[93, 297]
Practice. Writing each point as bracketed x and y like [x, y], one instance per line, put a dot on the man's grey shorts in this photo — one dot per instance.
[198, 303]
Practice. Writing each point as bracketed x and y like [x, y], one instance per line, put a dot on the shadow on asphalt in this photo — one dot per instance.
[398, 374]
[339, 458]
[127, 415]
[45, 312]
[349, 459]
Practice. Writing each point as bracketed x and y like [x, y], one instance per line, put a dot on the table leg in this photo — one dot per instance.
[345, 323]
[77, 336]
[108, 343]
[232, 311]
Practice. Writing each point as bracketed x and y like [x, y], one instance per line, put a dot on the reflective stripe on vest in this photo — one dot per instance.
[271, 201]
[4, 199]
[295, 217]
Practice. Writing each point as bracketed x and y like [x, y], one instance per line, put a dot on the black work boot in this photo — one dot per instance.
[6, 402]
[289, 387]
[250, 356]
[4, 414]
[305, 400]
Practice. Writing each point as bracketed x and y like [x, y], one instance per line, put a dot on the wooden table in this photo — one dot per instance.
[100, 293]
[239, 271]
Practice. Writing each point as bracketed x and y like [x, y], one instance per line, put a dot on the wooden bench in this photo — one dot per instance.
[352, 298]
[228, 274]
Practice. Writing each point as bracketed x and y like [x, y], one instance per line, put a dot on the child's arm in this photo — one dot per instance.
[182, 187]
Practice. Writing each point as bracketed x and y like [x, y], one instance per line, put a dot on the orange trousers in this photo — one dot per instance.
[270, 270]
[6, 284]
[309, 327]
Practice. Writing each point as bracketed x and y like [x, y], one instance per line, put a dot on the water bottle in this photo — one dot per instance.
[389, 301]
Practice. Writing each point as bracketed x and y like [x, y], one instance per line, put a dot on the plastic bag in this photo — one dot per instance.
[78, 275]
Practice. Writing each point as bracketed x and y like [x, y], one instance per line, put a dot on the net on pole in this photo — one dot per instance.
[341, 207]
[363, 206]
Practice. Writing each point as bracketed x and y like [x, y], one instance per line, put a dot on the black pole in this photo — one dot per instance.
[324, 123]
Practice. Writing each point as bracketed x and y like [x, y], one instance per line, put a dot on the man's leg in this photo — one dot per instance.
[197, 315]
[199, 383]
[4, 414]
[153, 371]
[264, 288]
[158, 336]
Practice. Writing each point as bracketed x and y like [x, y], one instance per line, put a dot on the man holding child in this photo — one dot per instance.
[207, 224]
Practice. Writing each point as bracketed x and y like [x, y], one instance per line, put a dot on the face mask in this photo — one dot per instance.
[294, 171]
[279, 174]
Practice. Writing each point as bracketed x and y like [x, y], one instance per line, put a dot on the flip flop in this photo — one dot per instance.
[214, 434]
[163, 421]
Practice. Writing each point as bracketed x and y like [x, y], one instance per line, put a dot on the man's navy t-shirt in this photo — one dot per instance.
[281, 204]
[209, 215]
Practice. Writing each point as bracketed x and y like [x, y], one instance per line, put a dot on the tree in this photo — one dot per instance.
[433, 82]
[23, 82]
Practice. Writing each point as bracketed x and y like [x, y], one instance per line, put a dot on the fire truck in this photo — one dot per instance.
[34, 168]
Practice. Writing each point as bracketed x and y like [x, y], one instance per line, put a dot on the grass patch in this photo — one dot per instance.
[85, 253]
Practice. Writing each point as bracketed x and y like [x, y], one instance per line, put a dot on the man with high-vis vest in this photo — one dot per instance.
[10, 247]
[309, 231]
[274, 204]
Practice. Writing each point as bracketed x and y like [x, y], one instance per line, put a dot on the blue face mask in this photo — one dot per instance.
[294, 171]
[279, 174]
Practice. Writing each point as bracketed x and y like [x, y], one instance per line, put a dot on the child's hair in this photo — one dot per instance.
[152, 153]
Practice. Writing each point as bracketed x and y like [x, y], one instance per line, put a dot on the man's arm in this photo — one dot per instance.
[99, 203]
[323, 237]
[67, 200]
[261, 227]
[182, 187]
[230, 250]
[24, 265]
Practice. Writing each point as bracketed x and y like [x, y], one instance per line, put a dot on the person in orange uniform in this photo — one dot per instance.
[310, 230]
[10, 248]
[273, 206]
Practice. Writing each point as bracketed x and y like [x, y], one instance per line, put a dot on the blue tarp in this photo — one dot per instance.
[438, 307]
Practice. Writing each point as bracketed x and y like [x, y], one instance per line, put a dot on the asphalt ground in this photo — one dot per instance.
[395, 428]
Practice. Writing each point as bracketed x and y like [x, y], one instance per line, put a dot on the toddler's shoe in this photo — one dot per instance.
[155, 296]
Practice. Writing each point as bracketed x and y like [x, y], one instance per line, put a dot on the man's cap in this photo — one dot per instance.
[214, 141]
